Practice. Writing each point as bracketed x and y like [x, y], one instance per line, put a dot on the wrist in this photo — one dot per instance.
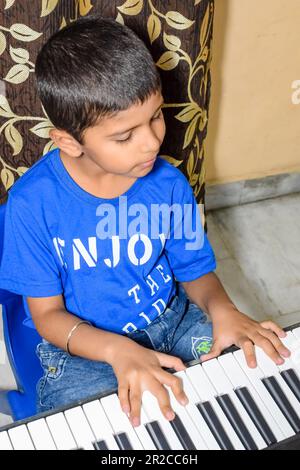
[116, 346]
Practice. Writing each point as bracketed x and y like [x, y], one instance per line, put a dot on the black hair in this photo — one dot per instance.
[93, 67]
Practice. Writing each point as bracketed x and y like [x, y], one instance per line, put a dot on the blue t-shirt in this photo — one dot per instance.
[100, 254]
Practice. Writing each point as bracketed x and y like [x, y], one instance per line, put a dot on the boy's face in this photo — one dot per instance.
[126, 144]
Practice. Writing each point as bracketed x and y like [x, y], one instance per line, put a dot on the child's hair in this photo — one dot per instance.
[93, 67]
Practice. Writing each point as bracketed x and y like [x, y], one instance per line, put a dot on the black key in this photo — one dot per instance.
[182, 434]
[157, 436]
[254, 412]
[215, 425]
[123, 441]
[236, 421]
[279, 397]
[100, 445]
[293, 381]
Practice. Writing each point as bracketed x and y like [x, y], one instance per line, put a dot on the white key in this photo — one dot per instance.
[296, 332]
[5, 443]
[223, 385]
[207, 392]
[40, 435]
[292, 344]
[119, 420]
[187, 422]
[99, 423]
[153, 413]
[255, 375]
[143, 434]
[239, 379]
[269, 368]
[195, 414]
[20, 438]
[60, 431]
[80, 428]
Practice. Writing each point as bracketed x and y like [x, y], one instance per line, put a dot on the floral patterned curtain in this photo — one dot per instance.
[177, 32]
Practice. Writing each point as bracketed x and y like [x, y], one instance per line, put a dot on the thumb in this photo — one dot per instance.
[171, 362]
[215, 351]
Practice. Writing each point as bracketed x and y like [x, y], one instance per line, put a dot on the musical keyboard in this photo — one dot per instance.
[231, 407]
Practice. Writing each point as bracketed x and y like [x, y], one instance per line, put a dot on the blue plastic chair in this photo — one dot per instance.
[20, 342]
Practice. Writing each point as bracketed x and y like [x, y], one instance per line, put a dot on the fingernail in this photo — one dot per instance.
[280, 361]
[126, 409]
[170, 415]
[286, 353]
[184, 401]
[135, 421]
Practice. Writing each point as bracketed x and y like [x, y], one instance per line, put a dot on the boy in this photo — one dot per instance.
[101, 291]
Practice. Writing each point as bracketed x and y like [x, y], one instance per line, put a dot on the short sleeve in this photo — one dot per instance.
[187, 248]
[27, 266]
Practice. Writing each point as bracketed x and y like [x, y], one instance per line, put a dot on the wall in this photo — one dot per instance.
[254, 127]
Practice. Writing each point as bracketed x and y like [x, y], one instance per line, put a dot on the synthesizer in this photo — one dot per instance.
[231, 407]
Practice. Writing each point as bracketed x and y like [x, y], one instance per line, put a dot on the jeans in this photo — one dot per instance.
[182, 330]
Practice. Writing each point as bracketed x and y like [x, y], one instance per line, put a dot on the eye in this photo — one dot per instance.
[124, 140]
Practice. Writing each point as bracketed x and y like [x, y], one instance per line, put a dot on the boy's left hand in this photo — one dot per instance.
[234, 327]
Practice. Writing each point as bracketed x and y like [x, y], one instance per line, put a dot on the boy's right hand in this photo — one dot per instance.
[138, 369]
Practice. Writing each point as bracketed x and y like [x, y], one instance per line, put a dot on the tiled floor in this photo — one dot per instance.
[257, 247]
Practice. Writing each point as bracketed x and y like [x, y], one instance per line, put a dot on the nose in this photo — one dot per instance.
[151, 143]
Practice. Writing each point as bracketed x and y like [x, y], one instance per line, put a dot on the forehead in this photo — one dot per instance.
[134, 116]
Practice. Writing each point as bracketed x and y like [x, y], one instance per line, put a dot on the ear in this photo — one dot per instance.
[66, 143]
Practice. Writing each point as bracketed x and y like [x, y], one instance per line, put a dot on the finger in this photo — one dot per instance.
[249, 352]
[163, 398]
[123, 390]
[135, 406]
[278, 345]
[266, 345]
[176, 385]
[215, 351]
[270, 325]
[171, 362]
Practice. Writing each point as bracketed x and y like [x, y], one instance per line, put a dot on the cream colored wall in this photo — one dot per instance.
[254, 127]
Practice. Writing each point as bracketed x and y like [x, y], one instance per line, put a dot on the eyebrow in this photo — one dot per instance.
[127, 130]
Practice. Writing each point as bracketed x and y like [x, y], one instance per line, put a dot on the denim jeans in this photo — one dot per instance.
[183, 330]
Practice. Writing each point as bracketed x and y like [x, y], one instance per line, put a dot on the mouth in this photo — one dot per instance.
[148, 163]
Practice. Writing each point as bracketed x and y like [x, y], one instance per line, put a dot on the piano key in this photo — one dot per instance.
[100, 424]
[157, 435]
[143, 434]
[254, 412]
[255, 375]
[5, 443]
[280, 398]
[61, 432]
[290, 341]
[207, 411]
[40, 435]
[257, 409]
[118, 420]
[123, 441]
[182, 434]
[292, 380]
[207, 393]
[193, 412]
[80, 428]
[101, 445]
[182, 422]
[237, 423]
[296, 332]
[269, 368]
[235, 412]
[153, 412]
[20, 438]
